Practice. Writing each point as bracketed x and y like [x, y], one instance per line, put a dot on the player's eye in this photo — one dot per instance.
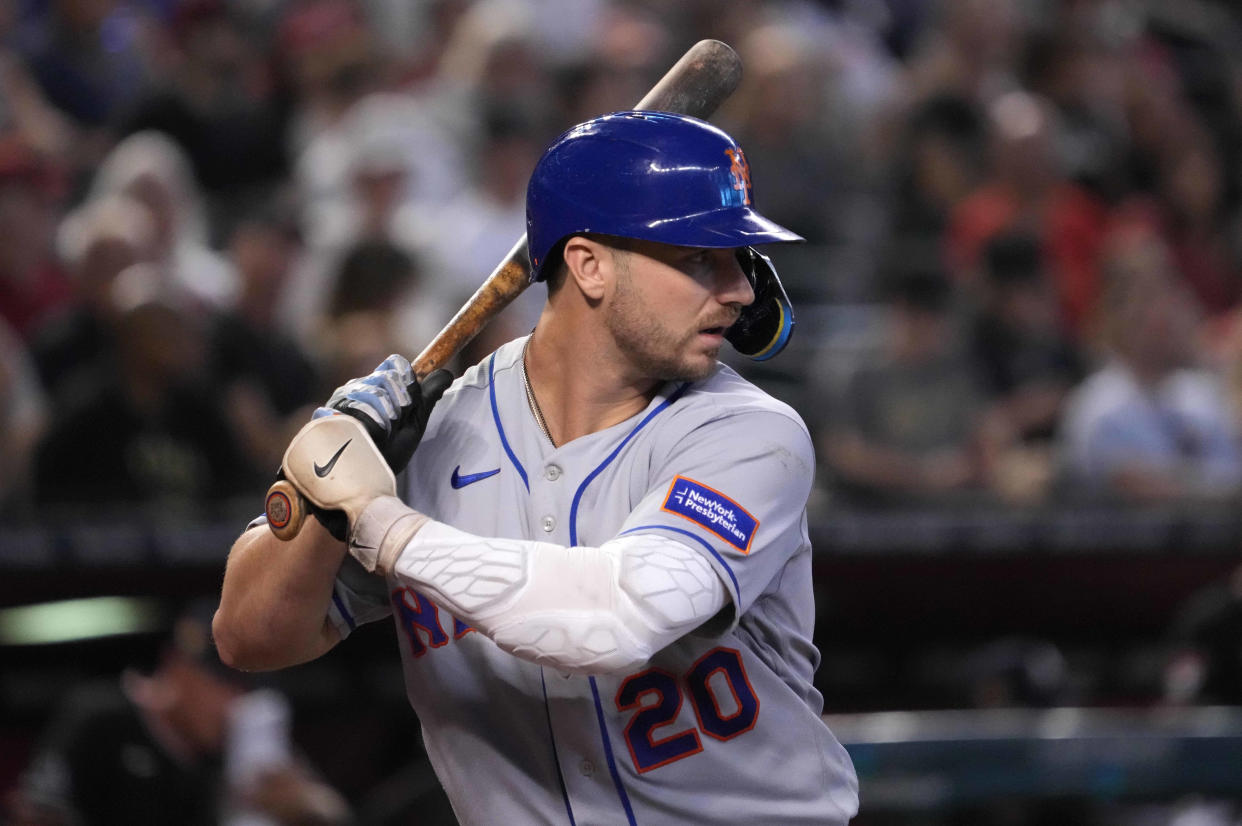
[695, 263]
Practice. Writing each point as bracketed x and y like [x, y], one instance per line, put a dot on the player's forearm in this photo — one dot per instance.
[274, 602]
[580, 609]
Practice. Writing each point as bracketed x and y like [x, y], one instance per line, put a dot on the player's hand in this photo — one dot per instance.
[393, 405]
[336, 466]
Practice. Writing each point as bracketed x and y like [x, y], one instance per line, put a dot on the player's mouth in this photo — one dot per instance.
[712, 336]
[716, 332]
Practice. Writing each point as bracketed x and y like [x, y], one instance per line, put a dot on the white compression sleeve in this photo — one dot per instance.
[580, 609]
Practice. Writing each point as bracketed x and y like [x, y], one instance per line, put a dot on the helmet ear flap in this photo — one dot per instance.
[544, 269]
[766, 324]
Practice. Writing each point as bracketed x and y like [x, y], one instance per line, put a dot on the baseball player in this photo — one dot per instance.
[597, 557]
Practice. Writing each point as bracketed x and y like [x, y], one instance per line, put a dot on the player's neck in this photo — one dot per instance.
[578, 388]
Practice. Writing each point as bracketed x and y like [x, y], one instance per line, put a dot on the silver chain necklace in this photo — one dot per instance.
[530, 396]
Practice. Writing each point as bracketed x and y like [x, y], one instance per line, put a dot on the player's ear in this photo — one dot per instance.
[588, 265]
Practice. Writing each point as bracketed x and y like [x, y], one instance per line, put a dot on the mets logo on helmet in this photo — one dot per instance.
[739, 168]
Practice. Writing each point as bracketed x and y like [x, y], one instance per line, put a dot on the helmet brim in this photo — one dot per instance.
[721, 229]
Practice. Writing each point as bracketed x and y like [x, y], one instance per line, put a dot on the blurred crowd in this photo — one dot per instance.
[1022, 220]
[187, 740]
[1021, 286]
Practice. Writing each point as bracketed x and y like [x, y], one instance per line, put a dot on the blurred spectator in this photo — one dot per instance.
[356, 339]
[937, 166]
[1222, 346]
[221, 102]
[1078, 61]
[1025, 188]
[420, 37]
[91, 59]
[151, 432]
[496, 57]
[817, 79]
[23, 416]
[908, 428]
[781, 114]
[1026, 362]
[151, 168]
[1156, 113]
[1200, 224]
[25, 112]
[1150, 424]
[1015, 672]
[630, 48]
[268, 381]
[97, 243]
[969, 48]
[357, 180]
[379, 305]
[373, 276]
[31, 282]
[474, 231]
[378, 171]
[1205, 661]
[188, 743]
[326, 47]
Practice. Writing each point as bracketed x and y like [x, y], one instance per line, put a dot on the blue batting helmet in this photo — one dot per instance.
[654, 176]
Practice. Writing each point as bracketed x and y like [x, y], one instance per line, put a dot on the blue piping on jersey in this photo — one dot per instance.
[612, 762]
[573, 540]
[573, 510]
[737, 589]
[345, 615]
[556, 760]
[491, 390]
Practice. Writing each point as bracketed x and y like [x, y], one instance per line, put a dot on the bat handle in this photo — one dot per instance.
[286, 510]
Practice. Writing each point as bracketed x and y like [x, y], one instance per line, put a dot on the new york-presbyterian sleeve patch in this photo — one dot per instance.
[712, 510]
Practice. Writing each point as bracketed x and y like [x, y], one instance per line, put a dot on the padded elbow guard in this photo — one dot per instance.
[581, 609]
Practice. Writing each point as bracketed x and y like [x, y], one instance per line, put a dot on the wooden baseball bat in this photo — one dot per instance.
[696, 85]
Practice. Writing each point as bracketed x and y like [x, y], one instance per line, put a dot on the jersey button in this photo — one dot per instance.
[587, 768]
[549, 524]
[552, 473]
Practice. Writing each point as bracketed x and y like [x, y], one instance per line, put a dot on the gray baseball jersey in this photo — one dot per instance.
[722, 726]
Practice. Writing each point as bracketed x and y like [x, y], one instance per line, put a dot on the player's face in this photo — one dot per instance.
[670, 307]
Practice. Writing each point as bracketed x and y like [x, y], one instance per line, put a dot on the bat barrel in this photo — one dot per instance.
[698, 83]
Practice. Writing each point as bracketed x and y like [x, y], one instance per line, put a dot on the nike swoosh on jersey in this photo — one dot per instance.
[326, 469]
[458, 481]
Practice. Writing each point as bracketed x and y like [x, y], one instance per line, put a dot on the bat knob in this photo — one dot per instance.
[285, 510]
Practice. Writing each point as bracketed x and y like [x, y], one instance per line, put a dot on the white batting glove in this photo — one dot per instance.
[334, 463]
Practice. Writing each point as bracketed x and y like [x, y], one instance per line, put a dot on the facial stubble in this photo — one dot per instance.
[653, 348]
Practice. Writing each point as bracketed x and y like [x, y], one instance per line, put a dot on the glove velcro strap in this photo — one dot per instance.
[382, 531]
